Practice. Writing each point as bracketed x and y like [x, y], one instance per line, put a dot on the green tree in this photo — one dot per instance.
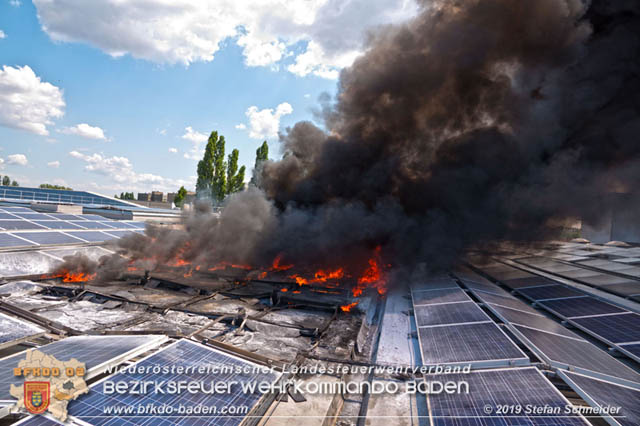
[14, 183]
[262, 155]
[6, 181]
[50, 186]
[212, 169]
[235, 177]
[179, 198]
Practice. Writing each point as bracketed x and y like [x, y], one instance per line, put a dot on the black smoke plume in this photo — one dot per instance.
[477, 121]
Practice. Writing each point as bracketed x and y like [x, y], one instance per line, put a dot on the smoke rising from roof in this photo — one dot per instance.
[474, 122]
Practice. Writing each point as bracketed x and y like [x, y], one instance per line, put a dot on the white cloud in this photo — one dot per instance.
[173, 150]
[85, 131]
[1, 163]
[15, 3]
[163, 132]
[307, 95]
[17, 159]
[26, 102]
[54, 164]
[120, 171]
[187, 31]
[2, 35]
[241, 126]
[197, 139]
[264, 123]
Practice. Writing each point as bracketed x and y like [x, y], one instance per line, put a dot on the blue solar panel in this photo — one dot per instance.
[95, 217]
[467, 343]
[8, 240]
[580, 306]
[65, 216]
[12, 209]
[562, 351]
[49, 237]
[504, 300]
[90, 236]
[56, 224]
[448, 313]
[633, 348]
[121, 225]
[7, 216]
[496, 389]
[625, 289]
[532, 320]
[617, 328]
[119, 234]
[91, 407]
[12, 329]
[446, 295]
[34, 216]
[139, 225]
[94, 351]
[12, 225]
[57, 196]
[528, 282]
[603, 393]
[549, 292]
[90, 224]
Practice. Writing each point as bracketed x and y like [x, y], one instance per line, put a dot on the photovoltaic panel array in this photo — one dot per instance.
[548, 292]
[576, 354]
[91, 407]
[550, 340]
[95, 351]
[20, 228]
[580, 307]
[616, 328]
[603, 393]
[13, 330]
[491, 389]
[453, 329]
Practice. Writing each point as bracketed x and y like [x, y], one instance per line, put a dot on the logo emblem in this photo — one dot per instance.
[36, 397]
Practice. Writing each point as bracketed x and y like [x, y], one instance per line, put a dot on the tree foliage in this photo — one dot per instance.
[126, 196]
[6, 181]
[180, 196]
[262, 155]
[216, 177]
[235, 176]
[50, 186]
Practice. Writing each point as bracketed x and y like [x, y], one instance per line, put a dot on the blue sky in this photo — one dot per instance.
[110, 97]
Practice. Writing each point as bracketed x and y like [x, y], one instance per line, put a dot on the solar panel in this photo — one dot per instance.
[579, 307]
[577, 273]
[528, 282]
[139, 225]
[624, 289]
[90, 224]
[599, 279]
[536, 321]
[121, 225]
[16, 209]
[62, 216]
[7, 216]
[515, 387]
[49, 237]
[94, 217]
[95, 351]
[8, 240]
[603, 393]
[486, 287]
[90, 236]
[56, 224]
[119, 234]
[449, 313]
[633, 349]
[474, 343]
[39, 420]
[434, 284]
[12, 225]
[564, 352]
[616, 328]
[508, 301]
[549, 292]
[13, 330]
[425, 297]
[91, 407]
[33, 216]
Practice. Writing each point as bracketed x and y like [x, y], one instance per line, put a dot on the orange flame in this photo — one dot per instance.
[284, 289]
[347, 308]
[277, 266]
[320, 276]
[372, 276]
[71, 277]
